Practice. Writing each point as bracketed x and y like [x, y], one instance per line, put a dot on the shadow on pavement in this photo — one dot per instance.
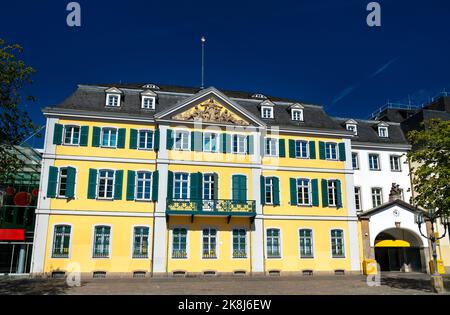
[10, 286]
[421, 283]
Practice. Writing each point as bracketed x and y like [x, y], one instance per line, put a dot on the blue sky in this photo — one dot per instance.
[319, 51]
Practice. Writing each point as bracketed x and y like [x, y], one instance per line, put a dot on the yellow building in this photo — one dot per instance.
[168, 180]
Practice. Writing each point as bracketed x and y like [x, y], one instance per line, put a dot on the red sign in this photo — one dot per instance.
[12, 235]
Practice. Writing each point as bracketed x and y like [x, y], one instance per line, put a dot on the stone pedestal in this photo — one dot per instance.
[437, 284]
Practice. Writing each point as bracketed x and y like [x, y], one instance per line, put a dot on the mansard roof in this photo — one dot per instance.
[368, 132]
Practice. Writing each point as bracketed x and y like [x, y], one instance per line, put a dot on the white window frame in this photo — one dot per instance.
[301, 188]
[72, 127]
[153, 101]
[297, 143]
[393, 158]
[269, 147]
[270, 111]
[110, 95]
[236, 137]
[133, 233]
[53, 241]
[211, 186]
[216, 236]
[147, 131]
[300, 246]
[266, 185]
[216, 141]
[109, 137]
[343, 243]
[355, 128]
[185, 140]
[148, 181]
[172, 235]
[378, 162]
[329, 145]
[182, 181]
[359, 194]
[110, 241]
[375, 194]
[107, 178]
[58, 191]
[380, 132]
[332, 184]
[279, 243]
[246, 248]
[355, 167]
[299, 112]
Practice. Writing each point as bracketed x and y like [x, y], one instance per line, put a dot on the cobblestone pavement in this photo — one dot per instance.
[392, 283]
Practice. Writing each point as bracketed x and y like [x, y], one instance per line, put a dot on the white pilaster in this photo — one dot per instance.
[257, 237]
[41, 225]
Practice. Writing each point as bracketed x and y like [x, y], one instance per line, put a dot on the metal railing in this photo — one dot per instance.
[216, 206]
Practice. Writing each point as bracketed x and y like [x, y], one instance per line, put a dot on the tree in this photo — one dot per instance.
[15, 123]
[430, 161]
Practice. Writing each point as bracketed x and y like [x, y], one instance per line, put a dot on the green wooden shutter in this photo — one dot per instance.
[322, 150]
[216, 186]
[169, 139]
[121, 138]
[84, 135]
[292, 148]
[293, 189]
[324, 193]
[239, 188]
[262, 183]
[281, 148]
[155, 185]
[57, 134]
[312, 150]
[227, 143]
[52, 181]
[131, 180]
[196, 186]
[315, 192]
[196, 141]
[96, 136]
[170, 185]
[156, 140]
[118, 181]
[250, 145]
[276, 191]
[342, 151]
[133, 138]
[223, 143]
[70, 186]
[92, 184]
[339, 194]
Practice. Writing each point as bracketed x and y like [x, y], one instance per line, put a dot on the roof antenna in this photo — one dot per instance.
[203, 40]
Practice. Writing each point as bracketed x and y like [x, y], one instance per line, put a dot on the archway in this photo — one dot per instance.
[398, 249]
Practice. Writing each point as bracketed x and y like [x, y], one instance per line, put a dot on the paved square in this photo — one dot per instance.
[391, 283]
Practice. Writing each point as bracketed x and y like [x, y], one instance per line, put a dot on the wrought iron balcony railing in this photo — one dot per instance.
[211, 207]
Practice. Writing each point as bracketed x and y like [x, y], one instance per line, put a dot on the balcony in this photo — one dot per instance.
[216, 207]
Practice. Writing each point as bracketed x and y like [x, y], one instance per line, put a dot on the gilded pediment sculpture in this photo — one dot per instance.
[211, 111]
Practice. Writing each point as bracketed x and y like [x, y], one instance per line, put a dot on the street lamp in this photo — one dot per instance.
[432, 216]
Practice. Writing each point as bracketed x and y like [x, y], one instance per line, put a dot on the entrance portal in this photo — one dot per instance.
[398, 249]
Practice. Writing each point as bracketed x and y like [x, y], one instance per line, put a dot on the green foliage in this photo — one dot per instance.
[15, 123]
[430, 158]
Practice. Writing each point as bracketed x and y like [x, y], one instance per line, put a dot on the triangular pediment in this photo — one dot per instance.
[211, 106]
[212, 111]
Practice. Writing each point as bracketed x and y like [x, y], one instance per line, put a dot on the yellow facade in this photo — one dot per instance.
[83, 213]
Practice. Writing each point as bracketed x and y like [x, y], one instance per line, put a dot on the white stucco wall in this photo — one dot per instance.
[386, 219]
[367, 179]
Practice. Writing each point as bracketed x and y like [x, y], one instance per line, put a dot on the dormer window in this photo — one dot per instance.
[148, 100]
[267, 112]
[113, 100]
[297, 114]
[352, 128]
[352, 125]
[113, 97]
[383, 132]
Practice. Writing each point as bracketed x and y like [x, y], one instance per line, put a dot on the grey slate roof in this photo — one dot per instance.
[368, 132]
[91, 98]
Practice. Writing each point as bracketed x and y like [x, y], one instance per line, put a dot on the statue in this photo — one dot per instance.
[395, 193]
